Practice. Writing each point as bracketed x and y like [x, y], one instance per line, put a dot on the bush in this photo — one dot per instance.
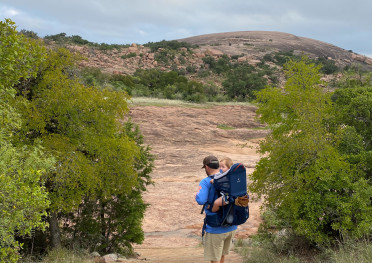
[130, 55]
[320, 191]
[171, 45]
[79, 40]
[243, 81]
[328, 66]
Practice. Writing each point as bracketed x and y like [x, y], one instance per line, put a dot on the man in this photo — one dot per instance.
[217, 239]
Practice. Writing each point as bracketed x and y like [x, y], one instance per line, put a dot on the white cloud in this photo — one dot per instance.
[141, 21]
[8, 12]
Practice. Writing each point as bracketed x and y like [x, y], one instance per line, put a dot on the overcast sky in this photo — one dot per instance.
[344, 23]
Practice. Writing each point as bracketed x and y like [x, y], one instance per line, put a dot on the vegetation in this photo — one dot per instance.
[285, 250]
[65, 160]
[65, 157]
[315, 172]
[62, 39]
[23, 197]
[168, 45]
[242, 82]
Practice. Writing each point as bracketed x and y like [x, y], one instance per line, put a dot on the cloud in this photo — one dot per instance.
[141, 21]
[8, 12]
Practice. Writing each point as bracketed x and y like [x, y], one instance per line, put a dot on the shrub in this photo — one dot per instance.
[328, 66]
[171, 45]
[243, 81]
[130, 55]
[312, 185]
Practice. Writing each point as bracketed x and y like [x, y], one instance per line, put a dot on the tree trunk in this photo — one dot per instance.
[55, 236]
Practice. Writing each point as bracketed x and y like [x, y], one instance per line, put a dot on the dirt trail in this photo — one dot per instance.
[180, 137]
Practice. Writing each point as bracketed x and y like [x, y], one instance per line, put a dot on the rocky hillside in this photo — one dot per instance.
[244, 46]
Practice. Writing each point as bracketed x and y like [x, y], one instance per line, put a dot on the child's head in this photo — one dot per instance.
[225, 164]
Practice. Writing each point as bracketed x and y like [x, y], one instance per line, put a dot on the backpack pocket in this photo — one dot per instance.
[241, 214]
[213, 219]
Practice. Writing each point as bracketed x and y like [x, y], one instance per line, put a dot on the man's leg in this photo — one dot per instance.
[213, 247]
[227, 244]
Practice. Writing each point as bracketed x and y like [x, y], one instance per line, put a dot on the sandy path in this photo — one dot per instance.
[180, 138]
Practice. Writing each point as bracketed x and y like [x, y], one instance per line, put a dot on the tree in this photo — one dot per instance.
[82, 127]
[353, 107]
[306, 180]
[243, 81]
[114, 222]
[23, 197]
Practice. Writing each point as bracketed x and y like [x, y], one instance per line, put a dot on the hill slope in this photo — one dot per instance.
[258, 42]
[248, 46]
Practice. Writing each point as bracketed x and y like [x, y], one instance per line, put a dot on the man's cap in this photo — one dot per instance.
[211, 161]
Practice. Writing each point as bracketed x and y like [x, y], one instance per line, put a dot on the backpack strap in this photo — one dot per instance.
[204, 228]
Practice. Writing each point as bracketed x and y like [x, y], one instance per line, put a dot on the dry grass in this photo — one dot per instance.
[147, 101]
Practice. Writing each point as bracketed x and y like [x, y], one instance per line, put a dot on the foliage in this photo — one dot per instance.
[23, 199]
[168, 85]
[282, 57]
[170, 45]
[29, 33]
[221, 66]
[210, 61]
[95, 77]
[305, 179]
[114, 221]
[328, 66]
[353, 107]
[130, 55]
[242, 82]
[164, 56]
[99, 160]
[62, 39]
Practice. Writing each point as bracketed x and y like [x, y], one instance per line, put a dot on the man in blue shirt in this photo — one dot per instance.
[218, 239]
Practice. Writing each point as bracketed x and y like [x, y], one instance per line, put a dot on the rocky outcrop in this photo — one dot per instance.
[362, 58]
[214, 52]
[250, 46]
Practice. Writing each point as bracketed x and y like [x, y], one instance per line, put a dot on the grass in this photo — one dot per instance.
[225, 127]
[252, 251]
[62, 255]
[147, 101]
[348, 252]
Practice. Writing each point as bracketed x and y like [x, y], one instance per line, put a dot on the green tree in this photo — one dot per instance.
[114, 221]
[97, 158]
[328, 66]
[23, 198]
[353, 107]
[243, 81]
[305, 179]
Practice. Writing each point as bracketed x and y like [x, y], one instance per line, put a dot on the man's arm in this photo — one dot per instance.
[203, 190]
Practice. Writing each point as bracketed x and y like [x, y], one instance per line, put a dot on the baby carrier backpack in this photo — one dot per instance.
[232, 186]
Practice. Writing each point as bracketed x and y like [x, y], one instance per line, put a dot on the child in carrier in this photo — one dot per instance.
[229, 205]
[225, 164]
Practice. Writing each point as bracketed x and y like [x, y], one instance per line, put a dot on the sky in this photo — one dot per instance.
[343, 23]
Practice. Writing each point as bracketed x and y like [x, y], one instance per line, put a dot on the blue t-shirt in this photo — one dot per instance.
[206, 192]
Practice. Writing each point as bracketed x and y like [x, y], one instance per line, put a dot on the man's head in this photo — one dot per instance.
[211, 164]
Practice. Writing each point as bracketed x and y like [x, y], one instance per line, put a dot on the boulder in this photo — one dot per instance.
[242, 59]
[151, 56]
[358, 57]
[368, 61]
[132, 49]
[214, 52]
[109, 258]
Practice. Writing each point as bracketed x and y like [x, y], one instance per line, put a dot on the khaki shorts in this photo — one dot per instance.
[217, 245]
